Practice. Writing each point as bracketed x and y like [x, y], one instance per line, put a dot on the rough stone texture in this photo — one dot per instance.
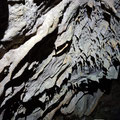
[108, 107]
[59, 55]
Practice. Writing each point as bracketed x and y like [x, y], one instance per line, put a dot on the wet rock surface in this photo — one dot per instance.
[57, 56]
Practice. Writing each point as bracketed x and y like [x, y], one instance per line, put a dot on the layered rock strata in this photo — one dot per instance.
[59, 55]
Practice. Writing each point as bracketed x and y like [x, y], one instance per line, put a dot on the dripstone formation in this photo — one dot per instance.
[56, 56]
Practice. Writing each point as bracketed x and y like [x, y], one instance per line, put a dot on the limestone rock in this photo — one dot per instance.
[56, 55]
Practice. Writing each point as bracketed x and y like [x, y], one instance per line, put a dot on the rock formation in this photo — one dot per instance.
[56, 55]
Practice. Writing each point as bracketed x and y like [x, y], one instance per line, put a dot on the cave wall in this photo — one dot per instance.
[59, 55]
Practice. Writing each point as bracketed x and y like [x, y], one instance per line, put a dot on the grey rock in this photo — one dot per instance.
[56, 56]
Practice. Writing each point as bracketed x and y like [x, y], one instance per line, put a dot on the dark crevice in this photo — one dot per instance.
[89, 11]
[90, 87]
[116, 63]
[4, 73]
[47, 3]
[53, 106]
[4, 16]
[35, 103]
[11, 106]
[11, 2]
[105, 85]
[110, 11]
[38, 53]
[50, 93]
[107, 17]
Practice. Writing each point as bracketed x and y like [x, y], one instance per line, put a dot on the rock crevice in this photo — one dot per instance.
[59, 55]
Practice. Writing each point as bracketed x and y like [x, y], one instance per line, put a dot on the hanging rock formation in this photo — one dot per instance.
[56, 55]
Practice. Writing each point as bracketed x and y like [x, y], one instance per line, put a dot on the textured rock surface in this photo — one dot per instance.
[56, 55]
[108, 107]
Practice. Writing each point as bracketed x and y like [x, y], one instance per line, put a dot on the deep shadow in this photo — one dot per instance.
[89, 11]
[47, 3]
[11, 106]
[90, 87]
[38, 53]
[4, 16]
[109, 10]
[16, 2]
